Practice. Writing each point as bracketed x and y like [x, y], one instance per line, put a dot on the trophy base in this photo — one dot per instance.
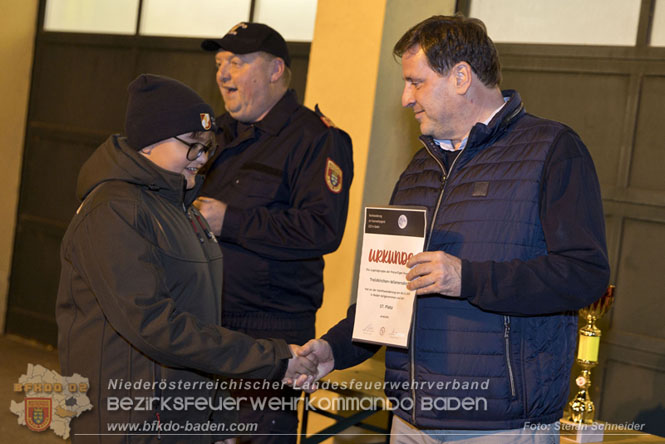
[581, 433]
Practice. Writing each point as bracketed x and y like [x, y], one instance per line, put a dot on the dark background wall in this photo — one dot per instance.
[615, 99]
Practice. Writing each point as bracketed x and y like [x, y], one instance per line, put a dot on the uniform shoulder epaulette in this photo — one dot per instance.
[325, 119]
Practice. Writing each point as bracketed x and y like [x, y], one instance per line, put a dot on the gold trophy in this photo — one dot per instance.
[582, 410]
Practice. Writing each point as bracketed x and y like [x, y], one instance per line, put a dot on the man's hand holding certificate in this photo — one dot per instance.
[392, 235]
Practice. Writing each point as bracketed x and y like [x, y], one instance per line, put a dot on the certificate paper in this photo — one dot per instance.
[384, 307]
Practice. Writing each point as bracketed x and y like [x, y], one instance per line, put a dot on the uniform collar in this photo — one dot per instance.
[272, 123]
[280, 114]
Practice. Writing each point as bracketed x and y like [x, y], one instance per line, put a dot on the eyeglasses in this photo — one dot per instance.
[196, 149]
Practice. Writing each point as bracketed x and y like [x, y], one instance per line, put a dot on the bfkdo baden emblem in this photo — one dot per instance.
[38, 413]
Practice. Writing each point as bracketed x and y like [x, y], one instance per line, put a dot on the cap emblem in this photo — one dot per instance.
[206, 122]
[234, 30]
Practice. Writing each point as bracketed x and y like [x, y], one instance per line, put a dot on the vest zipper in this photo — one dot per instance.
[412, 341]
[506, 336]
[446, 175]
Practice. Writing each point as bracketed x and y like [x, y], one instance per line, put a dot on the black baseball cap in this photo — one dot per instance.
[245, 37]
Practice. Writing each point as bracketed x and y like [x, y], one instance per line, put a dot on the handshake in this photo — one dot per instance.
[309, 363]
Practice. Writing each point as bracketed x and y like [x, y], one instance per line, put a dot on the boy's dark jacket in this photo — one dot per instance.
[139, 301]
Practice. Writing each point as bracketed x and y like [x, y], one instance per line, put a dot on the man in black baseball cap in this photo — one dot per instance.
[276, 195]
[244, 38]
[253, 70]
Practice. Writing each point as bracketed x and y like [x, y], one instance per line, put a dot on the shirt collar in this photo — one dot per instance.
[447, 144]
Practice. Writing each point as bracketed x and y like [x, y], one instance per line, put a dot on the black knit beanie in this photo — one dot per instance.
[160, 107]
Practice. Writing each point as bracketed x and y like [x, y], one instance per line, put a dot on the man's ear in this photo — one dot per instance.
[146, 150]
[462, 77]
[277, 67]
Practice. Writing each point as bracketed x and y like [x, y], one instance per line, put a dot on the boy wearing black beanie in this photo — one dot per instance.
[138, 306]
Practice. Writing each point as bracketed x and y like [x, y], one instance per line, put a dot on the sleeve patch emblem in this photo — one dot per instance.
[333, 176]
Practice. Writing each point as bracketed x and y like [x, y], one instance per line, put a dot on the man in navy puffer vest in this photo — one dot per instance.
[517, 245]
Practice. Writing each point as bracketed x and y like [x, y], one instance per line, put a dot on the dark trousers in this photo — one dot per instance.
[275, 425]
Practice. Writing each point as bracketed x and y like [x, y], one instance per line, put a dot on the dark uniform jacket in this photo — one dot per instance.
[286, 181]
[521, 207]
[139, 301]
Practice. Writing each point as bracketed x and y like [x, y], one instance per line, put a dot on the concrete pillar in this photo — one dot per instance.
[358, 84]
[17, 35]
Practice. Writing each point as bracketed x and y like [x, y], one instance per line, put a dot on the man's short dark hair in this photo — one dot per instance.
[448, 40]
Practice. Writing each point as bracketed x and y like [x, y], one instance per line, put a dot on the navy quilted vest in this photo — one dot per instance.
[473, 369]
